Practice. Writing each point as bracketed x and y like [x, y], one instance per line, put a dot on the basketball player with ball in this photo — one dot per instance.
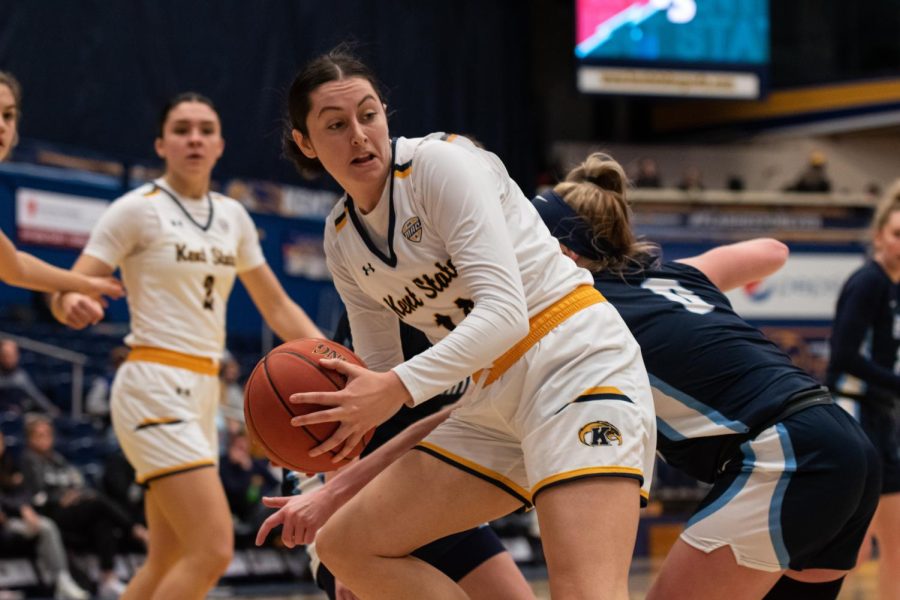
[475, 558]
[179, 247]
[432, 231]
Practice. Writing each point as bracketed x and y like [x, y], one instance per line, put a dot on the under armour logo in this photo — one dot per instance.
[368, 269]
[176, 223]
[183, 391]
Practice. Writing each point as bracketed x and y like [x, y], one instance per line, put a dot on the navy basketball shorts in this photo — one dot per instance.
[455, 556]
[883, 429]
[800, 497]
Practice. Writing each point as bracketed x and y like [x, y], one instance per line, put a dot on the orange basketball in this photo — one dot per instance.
[288, 369]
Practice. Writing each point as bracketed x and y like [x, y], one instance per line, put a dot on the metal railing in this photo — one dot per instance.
[76, 359]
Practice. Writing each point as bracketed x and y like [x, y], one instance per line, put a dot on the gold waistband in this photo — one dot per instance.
[540, 325]
[171, 358]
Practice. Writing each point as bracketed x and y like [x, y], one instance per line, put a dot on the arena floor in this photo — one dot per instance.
[859, 586]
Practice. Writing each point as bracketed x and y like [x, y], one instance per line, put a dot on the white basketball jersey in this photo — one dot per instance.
[461, 236]
[178, 259]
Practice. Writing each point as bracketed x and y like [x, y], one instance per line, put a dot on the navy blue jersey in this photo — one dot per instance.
[866, 337]
[713, 375]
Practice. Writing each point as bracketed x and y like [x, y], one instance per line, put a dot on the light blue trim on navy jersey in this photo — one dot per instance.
[867, 343]
[790, 466]
[665, 430]
[695, 405]
[733, 490]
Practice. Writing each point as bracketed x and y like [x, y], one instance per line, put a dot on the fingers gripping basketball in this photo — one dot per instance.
[290, 368]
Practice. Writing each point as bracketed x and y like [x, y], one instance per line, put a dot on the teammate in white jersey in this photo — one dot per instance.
[179, 247]
[19, 268]
[434, 232]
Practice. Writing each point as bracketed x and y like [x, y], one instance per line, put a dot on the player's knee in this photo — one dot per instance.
[341, 544]
[218, 556]
[333, 546]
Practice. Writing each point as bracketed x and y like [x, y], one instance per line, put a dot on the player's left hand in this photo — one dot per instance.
[368, 400]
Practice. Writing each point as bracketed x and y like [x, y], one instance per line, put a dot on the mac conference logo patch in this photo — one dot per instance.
[412, 229]
[600, 433]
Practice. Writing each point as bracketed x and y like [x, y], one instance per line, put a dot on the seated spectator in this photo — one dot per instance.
[647, 175]
[86, 517]
[231, 402]
[18, 393]
[691, 180]
[97, 400]
[246, 480]
[19, 521]
[118, 483]
[813, 178]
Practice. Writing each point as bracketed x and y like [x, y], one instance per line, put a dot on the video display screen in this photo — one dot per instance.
[691, 37]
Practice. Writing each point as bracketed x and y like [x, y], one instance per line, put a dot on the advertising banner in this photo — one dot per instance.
[806, 288]
[60, 220]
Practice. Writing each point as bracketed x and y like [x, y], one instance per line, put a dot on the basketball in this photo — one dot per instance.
[288, 369]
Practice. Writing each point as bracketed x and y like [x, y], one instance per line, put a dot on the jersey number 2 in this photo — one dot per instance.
[674, 291]
[208, 284]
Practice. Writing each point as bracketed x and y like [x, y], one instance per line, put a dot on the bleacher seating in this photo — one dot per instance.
[87, 444]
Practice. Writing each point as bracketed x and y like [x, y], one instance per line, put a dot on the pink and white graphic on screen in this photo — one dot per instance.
[596, 20]
[593, 14]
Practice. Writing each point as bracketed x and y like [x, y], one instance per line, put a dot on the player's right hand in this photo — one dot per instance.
[300, 517]
[79, 311]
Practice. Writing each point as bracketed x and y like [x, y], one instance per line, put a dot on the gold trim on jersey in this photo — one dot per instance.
[205, 462]
[404, 173]
[540, 325]
[341, 220]
[152, 192]
[171, 358]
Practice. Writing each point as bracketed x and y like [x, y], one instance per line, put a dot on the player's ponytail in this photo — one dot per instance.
[889, 204]
[596, 190]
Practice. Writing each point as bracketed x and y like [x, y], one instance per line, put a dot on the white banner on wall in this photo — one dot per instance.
[51, 219]
[668, 82]
[807, 287]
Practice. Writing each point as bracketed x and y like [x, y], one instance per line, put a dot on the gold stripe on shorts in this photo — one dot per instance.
[540, 325]
[160, 421]
[205, 462]
[588, 472]
[473, 466]
[171, 358]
